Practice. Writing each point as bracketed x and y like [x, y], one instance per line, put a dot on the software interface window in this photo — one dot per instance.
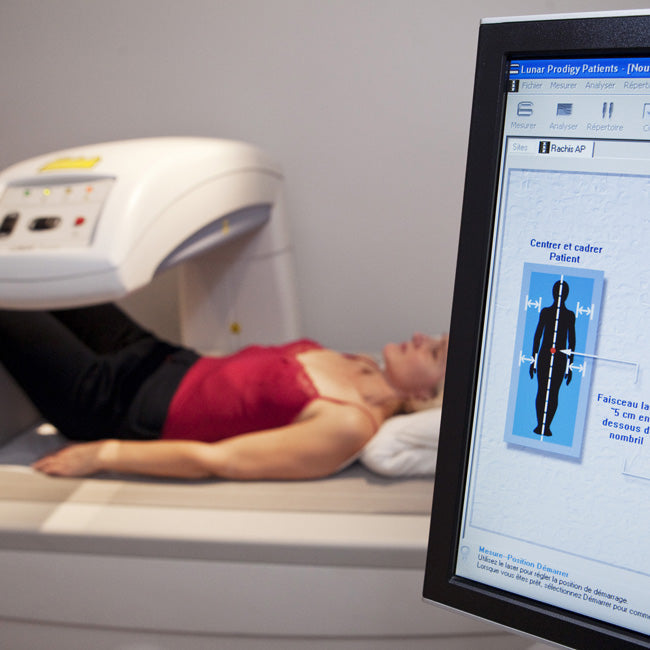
[560, 461]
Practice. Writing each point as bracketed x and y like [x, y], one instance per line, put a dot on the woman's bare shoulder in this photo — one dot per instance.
[343, 418]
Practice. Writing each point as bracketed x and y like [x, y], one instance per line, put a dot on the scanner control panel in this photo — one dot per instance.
[55, 215]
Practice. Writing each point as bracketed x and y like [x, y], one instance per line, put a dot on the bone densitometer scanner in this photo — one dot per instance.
[252, 564]
[95, 223]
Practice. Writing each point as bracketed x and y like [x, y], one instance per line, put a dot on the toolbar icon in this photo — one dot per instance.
[525, 109]
[646, 111]
[564, 110]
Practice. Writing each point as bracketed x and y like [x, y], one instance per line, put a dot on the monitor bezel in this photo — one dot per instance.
[500, 41]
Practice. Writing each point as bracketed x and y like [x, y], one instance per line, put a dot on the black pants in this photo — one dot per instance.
[92, 372]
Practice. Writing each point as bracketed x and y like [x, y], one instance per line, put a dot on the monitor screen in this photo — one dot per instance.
[541, 514]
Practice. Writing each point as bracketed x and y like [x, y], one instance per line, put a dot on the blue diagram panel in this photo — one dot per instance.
[554, 346]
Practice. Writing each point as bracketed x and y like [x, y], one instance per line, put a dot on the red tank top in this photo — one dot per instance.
[254, 389]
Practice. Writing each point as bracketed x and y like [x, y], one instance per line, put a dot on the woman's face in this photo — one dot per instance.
[416, 367]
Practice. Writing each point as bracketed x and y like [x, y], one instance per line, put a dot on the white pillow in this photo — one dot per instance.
[405, 445]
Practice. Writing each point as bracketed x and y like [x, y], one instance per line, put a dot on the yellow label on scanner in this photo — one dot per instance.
[70, 163]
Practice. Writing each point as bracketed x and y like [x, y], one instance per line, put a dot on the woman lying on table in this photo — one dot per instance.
[143, 406]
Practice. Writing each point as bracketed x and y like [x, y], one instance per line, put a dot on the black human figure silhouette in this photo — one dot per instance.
[556, 330]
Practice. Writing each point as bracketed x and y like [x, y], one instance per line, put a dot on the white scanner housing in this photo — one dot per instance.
[94, 223]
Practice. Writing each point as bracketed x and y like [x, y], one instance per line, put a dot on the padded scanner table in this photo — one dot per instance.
[316, 564]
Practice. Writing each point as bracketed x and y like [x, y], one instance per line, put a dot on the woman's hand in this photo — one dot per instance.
[76, 460]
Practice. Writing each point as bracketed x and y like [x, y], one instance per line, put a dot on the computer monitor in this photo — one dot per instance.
[541, 511]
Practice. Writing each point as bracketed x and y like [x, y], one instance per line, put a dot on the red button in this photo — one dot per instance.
[80, 221]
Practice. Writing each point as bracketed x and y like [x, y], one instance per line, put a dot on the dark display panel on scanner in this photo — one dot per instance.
[541, 511]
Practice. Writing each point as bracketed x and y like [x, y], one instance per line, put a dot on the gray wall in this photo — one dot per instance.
[364, 102]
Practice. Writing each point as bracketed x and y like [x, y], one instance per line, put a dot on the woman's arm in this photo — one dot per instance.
[313, 448]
